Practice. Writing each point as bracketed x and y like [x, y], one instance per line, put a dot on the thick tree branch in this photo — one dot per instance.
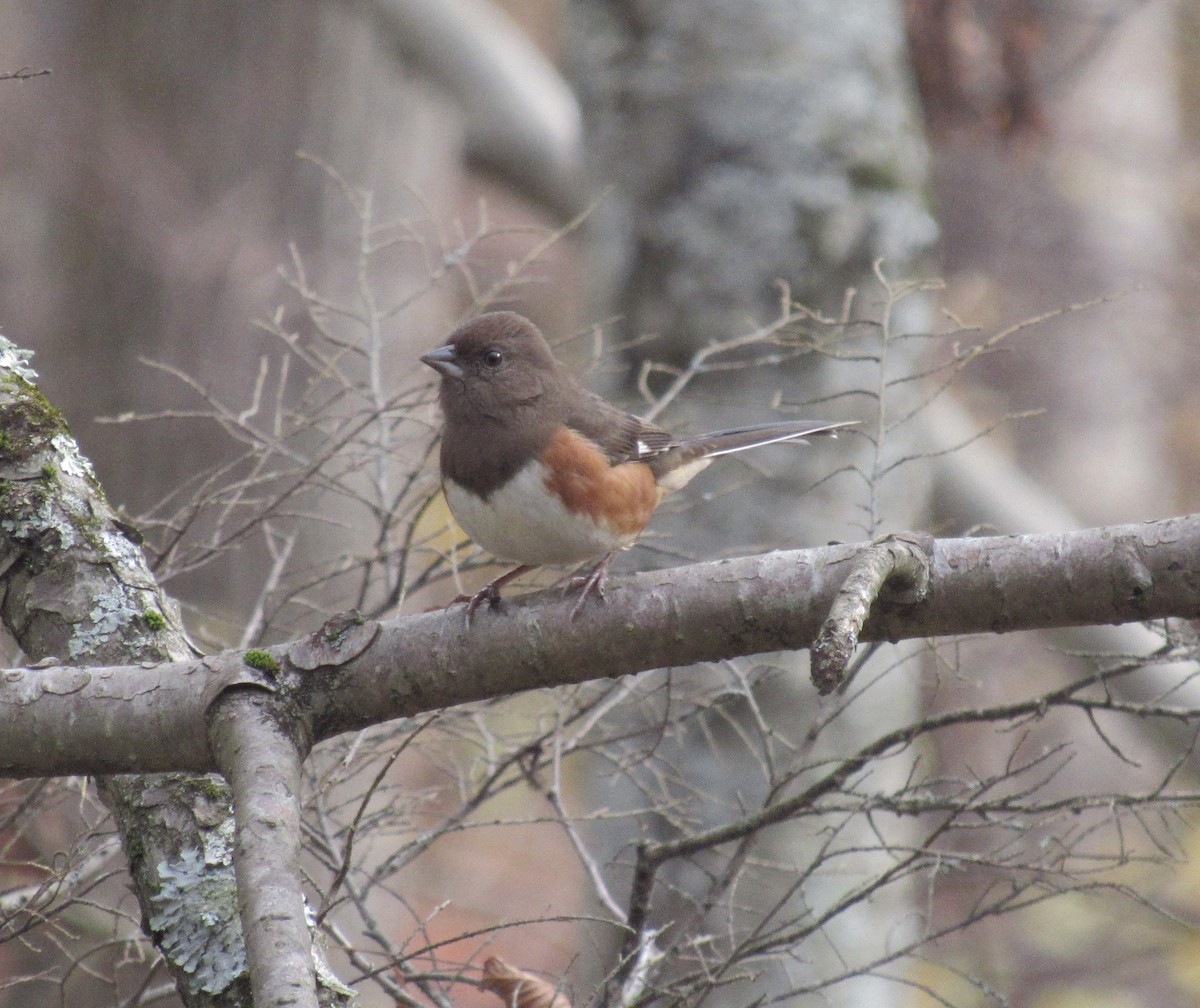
[74, 584]
[351, 675]
[261, 760]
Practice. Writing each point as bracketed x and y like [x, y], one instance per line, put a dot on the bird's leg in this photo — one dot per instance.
[490, 592]
[592, 582]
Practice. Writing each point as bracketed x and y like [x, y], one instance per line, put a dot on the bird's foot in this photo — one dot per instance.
[588, 583]
[490, 592]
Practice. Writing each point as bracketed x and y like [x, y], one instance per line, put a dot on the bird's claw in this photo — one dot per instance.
[593, 582]
[489, 593]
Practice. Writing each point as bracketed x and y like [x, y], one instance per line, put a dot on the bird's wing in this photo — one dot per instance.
[622, 436]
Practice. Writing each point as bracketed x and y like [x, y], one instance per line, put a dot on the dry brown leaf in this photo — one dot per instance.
[519, 989]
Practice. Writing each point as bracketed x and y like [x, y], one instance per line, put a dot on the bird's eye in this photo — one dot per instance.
[493, 358]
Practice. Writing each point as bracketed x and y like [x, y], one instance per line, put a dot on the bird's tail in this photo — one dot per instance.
[683, 460]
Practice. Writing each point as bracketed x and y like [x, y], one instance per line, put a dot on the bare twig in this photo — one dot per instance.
[23, 74]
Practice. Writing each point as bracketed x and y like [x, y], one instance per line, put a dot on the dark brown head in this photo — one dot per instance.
[495, 365]
[503, 393]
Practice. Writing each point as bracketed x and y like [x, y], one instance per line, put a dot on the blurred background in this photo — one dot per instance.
[645, 177]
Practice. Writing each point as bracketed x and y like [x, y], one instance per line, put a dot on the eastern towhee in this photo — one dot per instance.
[539, 470]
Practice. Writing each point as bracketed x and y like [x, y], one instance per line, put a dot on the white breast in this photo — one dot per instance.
[525, 523]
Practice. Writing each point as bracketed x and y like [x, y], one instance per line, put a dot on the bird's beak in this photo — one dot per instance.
[444, 361]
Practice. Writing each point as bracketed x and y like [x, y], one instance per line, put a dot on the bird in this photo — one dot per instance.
[541, 471]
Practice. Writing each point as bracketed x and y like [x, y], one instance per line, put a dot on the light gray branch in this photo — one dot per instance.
[261, 760]
[353, 674]
[899, 563]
